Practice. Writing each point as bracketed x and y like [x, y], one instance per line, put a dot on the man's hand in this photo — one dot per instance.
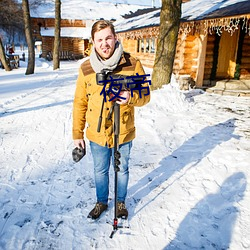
[126, 95]
[79, 151]
[79, 143]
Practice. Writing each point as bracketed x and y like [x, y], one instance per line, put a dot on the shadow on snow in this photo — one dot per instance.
[210, 223]
[23, 110]
[189, 155]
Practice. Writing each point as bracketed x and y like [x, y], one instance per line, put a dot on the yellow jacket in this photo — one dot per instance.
[88, 101]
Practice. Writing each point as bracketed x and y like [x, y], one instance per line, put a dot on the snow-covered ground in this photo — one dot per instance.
[189, 170]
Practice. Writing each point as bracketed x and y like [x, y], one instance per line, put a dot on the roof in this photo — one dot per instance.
[193, 10]
[232, 10]
[79, 32]
[146, 20]
[85, 10]
[208, 9]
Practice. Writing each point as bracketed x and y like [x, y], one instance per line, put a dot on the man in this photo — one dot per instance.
[107, 54]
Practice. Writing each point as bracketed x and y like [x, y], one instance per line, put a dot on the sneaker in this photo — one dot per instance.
[97, 210]
[122, 211]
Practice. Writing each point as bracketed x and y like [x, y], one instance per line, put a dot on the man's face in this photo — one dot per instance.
[104, 42]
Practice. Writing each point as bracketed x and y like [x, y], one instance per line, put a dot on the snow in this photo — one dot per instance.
[156, 3]
[192, 10]
[145, 20]
[86, 10]
[84, 33]
[196, 9]
[189, 169]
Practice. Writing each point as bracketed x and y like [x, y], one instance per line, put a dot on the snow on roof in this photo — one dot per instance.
[80, 32]
[192, 10]
[198, 9]
[145, 20]
[85, 10]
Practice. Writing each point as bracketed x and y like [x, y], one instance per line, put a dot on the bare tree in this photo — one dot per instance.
[11, 16]
[3, 57]
[56, 59]
[168, 34]
[11, 24]
[28, 33]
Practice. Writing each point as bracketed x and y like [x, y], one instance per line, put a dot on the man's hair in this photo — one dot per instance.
[101, 24]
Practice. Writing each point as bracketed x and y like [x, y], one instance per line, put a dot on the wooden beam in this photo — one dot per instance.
[201, 60]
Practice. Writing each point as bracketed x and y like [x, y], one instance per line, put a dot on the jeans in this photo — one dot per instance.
[102, 158]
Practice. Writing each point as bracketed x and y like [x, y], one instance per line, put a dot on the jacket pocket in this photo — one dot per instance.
[127, 120]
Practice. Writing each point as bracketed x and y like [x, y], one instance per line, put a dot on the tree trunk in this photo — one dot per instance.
[56, 59]
[3, 57]
[28, 33]
[168, 34]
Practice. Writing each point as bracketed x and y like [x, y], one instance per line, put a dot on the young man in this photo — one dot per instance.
[107, 54]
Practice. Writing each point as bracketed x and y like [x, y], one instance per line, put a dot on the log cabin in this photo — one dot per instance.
[77, 19]
[74, 37]
[213, 41]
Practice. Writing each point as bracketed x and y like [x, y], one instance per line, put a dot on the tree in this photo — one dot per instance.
[56, 59]
[11, 18]
[3, 57]
[29, 39]
[10, 24]
[168, 34]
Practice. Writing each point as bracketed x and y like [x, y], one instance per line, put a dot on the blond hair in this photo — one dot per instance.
[101, 24]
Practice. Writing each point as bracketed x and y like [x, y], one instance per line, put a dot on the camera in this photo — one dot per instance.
[127, 82]
[78, 153]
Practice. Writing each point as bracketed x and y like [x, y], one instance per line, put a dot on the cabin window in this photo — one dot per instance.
[152, 45]
[146, 45]
[140, 45]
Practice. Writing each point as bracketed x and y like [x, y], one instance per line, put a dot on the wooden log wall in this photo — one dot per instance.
[186, 55]
[146, 59]
[73, 45]
[131, 46]
[245, 60]
[66, 44]
[50, 22]
[190, 56]
[209, 57]
[178, 61]
[79, 46]
[47, 45]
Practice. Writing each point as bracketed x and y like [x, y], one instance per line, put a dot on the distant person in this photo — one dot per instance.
[11, 50]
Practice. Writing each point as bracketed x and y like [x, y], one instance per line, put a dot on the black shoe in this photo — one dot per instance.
[97, 210]
[122, 211]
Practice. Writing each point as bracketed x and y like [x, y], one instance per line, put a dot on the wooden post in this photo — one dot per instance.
[201, 60]
[140, 41]
[144, 45]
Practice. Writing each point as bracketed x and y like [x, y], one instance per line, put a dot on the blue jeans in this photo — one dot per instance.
[102, 157]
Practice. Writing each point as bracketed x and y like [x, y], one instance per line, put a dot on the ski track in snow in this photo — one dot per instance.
[182, 186]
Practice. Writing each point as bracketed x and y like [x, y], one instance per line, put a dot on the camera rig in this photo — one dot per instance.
[118, 82]
[114, 83]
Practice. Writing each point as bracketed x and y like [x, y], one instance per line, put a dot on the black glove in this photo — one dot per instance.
[78, 153]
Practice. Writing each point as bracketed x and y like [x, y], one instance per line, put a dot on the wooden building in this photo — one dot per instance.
[212, 45]
[75, 36]
[77, 19]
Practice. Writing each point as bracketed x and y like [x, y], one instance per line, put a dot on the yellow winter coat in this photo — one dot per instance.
[88, 101]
